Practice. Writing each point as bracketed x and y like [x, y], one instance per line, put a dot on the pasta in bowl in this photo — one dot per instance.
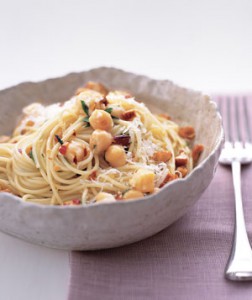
[99, 146]
[102, 169]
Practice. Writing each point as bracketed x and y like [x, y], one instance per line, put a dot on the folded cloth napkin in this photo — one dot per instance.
[185, 261]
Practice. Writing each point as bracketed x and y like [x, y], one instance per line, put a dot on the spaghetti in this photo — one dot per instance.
[99, 146]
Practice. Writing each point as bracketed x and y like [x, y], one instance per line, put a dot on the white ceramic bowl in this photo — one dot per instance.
[121, 223]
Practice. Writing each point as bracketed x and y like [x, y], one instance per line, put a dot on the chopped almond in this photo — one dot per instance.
[128, 115]
[165, 116]
[181, 159]
[80, 90]
[98, 87]
[187, 132]
[4, 188]
[4, 139]
[183, 170]
[169, 177]
[56, 168]
[163, 156]
[197, 150]
[30, 123]
[101, 104]
[6, 191]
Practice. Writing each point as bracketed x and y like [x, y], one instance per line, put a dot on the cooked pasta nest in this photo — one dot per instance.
[100, 146]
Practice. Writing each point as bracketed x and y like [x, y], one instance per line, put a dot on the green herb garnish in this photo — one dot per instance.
[86, 119]
[31, 155]
[86, 111]
[109, 110]
[59, 139]
[85, 107]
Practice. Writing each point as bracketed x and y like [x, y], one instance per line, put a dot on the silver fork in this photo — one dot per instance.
[237, 152]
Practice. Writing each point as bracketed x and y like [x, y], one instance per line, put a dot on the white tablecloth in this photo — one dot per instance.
[205, 45]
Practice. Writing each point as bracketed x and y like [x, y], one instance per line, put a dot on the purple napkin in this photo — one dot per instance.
[185, 261]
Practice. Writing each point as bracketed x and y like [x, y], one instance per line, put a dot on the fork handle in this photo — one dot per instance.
[239, 265]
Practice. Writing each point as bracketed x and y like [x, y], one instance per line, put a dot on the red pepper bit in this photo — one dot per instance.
[76, 201]
[72, 202]
[63, 149]
[92, 176]
[118, 196]
[85, 152]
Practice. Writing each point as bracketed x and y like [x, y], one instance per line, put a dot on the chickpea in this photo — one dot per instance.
[143, 181]
[75, 152]
[115, 156]
[104, 198]
[133, 194]
[100, 140]
[100, 119]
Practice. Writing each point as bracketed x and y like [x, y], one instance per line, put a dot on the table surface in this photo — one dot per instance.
[205, 45]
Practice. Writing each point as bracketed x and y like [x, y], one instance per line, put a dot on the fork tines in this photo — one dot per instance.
[237, 123]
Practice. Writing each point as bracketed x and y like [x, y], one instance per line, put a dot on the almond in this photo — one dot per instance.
[196, 151]
[183, 170]
[128, 115]
[187, 132]
[163, 156]
[181, 159]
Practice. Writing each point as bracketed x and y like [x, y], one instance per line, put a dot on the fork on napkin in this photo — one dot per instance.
[237, 151]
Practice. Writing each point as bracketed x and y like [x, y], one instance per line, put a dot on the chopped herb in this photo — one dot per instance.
[43, 155]
[59, 139]
[109, 110]
[86, 119]
[31, 155]
[85, 107]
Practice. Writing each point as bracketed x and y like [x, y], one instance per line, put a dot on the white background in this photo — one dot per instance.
[202, 44]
